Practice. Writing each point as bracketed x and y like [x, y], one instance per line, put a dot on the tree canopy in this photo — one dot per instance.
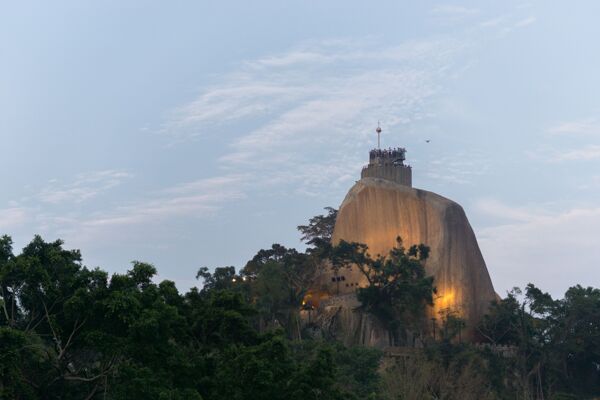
[398, 289]
[72, 332]
[68, 332]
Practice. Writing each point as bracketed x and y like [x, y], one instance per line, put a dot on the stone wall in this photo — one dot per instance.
[401, 174]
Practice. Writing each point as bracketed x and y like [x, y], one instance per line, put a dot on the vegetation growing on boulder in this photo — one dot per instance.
[70, 332]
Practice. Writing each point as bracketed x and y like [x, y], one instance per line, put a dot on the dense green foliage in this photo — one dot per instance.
[556, 342]
[320, 227]
[69, 332]
[398, 289]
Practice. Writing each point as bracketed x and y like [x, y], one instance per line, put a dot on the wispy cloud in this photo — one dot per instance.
[566, 142]
[86, 186]
[446, 14]
[508, 23]
[524, 5]
[554, 250]
[525, 22]
[452, 9]
[12, 217]
[589, 152]
[308, 114]
[583, 153]
[324, 98]
[231, 102]
[121, 216]
[497, 209]
[492, 22]
[192, 199]
[586, 126]
[462, 168]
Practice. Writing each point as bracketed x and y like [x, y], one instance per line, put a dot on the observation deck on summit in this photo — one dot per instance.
[388, 164]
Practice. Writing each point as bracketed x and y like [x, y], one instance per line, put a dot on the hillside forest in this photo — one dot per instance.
[71, 332]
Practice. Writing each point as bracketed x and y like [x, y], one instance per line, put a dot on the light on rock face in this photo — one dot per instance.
[383, 205]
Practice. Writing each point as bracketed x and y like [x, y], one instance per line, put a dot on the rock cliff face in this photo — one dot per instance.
[340, 318]
[376, 211]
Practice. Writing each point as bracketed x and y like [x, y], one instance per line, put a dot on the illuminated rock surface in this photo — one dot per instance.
[376, 211]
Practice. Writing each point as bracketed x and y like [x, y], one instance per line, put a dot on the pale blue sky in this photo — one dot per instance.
[192, 134]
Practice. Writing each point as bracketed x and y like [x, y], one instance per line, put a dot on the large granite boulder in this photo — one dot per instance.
[376, 211]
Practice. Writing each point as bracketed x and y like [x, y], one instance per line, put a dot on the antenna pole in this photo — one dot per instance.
[378, 130]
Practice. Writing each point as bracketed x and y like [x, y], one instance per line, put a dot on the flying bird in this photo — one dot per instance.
[427, 140]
